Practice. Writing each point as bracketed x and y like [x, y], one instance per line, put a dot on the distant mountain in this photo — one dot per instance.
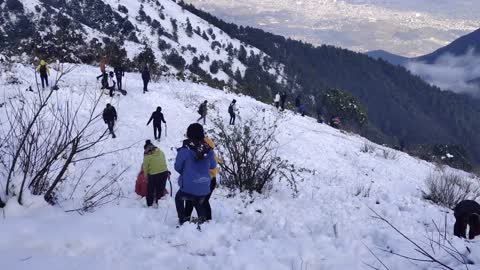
[399, 104]
[389, 57]
[457, 48]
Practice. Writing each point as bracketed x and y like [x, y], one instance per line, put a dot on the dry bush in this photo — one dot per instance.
[389, 154]
[248, 154]
[368, 147]
[448, 189]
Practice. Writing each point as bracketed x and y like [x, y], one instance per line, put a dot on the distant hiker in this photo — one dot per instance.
[301, 109]
[157, 117]
[111, 83]
[103, 64]
[467, 213]
[232, 111]
[194, 161]
[202, 110]
[283, 99]
[335, 122]
[155, 169]
[213, 185]
[110, 117]
[319, 110]
[44, 73]
[119, 74]
[277, 100]
[104, 80]
[145, 78]
[298, 103]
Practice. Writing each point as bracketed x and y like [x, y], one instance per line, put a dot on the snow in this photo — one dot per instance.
[325, 227]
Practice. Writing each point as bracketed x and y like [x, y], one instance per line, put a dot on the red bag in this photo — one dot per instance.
[141, 185]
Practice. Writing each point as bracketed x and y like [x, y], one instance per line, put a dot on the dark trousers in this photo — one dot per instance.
[110, 90]
[206, 203]
[277, 104]
[283, 105]
[232, 118]
[157, 131]
[119, 82]
[197, 201]
[155, 187]
[110, 125]
[44, 79]
[145, 86]
[204, 117]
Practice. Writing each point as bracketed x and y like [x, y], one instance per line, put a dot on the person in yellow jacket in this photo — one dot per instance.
[44, 73]
[213, 185]
[156, 171]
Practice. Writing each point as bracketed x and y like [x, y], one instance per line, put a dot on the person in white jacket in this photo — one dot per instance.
[277, 100]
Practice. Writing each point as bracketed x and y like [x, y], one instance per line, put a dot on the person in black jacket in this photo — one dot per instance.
[110, 116]
[157, 117]
[232, 111]
[283, 99]
[467, 213]
[145, 78]
[119, 73]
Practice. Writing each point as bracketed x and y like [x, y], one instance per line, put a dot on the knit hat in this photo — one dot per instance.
[195, 132]
[147, 143]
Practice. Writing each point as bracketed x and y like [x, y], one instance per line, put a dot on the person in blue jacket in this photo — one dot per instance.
[194, 161]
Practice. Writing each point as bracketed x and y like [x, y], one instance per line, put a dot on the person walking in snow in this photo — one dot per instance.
[283, 99]
[44, 73]
[213, 185]
[232, 110]
[467, 213]
[156, 171]
[298, 103]
[276, 101]
[319, 110]
[103, 64]
[145, 78]
[119, 74]
[202, 110]
[194, 161]
[157, 117]
[111, 83]
[110, 117]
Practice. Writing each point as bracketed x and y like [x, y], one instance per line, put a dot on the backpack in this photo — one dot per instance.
[201, 109]
[43, 69]
[230, 109]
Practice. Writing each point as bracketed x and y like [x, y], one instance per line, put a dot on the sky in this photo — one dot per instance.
[406, 27]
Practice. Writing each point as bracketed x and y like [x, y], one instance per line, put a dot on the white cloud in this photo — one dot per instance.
[449, 72]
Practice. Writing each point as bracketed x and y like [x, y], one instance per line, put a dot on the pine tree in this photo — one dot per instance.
[189, 29]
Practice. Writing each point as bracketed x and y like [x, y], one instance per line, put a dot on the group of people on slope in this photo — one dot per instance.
[196, 165]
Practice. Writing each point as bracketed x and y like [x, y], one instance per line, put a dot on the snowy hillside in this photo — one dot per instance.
[84, 31]
[327, 226]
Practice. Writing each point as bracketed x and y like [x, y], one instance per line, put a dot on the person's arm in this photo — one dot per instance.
[180, 161]
[150, 120]
[48, 70]
[213, 161]
[114, 113]
[163, 118]
[146, 165]
[98, 77]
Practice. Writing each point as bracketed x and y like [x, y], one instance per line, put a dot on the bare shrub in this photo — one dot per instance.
[368, 147]
[448, 189]
[438, 250]
[389, 154]
[363, 190]
[47, 134]
[248, 154]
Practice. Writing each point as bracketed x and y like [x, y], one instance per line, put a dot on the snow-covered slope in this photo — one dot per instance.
[83, 31]
[405, 27]
[328, 226]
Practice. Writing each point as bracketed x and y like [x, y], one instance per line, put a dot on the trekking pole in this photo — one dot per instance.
[166, 133]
